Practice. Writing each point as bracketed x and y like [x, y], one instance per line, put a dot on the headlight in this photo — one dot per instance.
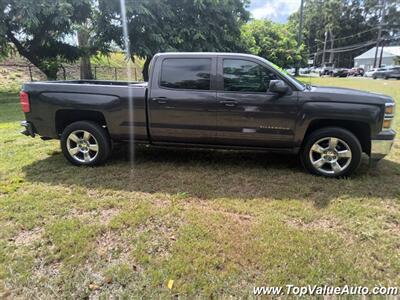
[389, 115]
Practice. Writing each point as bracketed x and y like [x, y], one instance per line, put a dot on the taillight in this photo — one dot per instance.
[24, 99]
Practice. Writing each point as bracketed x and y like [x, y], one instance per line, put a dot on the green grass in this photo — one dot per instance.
[215, 222]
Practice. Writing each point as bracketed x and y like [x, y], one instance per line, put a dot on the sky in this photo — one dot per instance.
[275, 10]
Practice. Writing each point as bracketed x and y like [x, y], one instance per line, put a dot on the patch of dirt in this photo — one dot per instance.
[104, 216]
[28, 237]
[163, 235]
[111, 247]
[324, 224]
[191, 203]
[393, 228]
[43, 270]
[238, 217]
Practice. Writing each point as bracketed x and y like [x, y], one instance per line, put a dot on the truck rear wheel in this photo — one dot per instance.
[331, 152]
[85, 143]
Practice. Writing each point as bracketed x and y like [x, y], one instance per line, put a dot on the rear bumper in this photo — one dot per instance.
[381, 144]
[28, 129]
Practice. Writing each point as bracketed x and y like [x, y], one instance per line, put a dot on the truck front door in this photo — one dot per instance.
[248, 114]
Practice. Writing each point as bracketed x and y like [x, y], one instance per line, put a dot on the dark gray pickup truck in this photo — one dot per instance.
[216, 100]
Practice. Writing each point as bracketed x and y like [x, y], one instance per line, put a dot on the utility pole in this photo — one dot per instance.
[331, 53]
[378, 40]
[380, 57]
[299, 37]
[323, 52]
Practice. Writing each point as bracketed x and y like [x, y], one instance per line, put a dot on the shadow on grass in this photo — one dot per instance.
[210, 174]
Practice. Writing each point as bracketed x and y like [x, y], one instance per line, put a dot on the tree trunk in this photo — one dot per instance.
[85, 66]
[51, 73]
[145, 71]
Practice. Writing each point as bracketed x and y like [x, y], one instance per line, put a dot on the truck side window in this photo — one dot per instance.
[186, 73]
[246, 76]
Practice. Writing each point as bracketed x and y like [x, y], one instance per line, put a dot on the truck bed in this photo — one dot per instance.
[54, 103]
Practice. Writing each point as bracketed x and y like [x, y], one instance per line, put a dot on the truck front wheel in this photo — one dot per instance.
[85, 143]
[331, 152]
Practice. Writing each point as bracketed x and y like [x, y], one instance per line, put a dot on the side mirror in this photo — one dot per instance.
[278, 86]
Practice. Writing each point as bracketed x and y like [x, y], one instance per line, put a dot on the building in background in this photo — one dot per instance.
[390, 56]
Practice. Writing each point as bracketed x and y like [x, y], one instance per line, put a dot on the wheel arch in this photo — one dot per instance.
[65, 117]
[360, 129]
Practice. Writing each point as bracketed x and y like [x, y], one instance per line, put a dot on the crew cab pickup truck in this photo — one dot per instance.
[216, 100]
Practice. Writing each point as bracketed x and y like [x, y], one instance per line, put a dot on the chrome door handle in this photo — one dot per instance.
[229, 103]
[160, 100]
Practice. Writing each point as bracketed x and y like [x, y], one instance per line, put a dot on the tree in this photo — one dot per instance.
[275, 42]
[39, 30]
[178, 25]
[350, 22]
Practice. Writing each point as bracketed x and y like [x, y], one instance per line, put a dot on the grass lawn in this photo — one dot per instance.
[214, 222]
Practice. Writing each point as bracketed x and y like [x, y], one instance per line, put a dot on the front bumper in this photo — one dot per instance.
[381, 144]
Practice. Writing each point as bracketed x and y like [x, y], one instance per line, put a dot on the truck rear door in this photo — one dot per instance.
[182, 99]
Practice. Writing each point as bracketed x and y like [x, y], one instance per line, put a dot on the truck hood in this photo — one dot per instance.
[335, 94]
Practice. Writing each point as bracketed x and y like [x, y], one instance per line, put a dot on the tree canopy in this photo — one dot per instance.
[39, 29]
[177, 25]
[45, 31]
[273, 41]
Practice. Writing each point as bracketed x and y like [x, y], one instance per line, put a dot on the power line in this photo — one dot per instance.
[346, 48]
[353, 46]
[355, 34]
[349, 36]
[346, 37]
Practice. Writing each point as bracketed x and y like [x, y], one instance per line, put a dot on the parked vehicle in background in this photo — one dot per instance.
[315, 70]
[327, 69]
[305, 70]
[370, 72]
[340, 72]
[387, 73]
[215, 100]
[291, 71]
[356, 72]
[378, 73]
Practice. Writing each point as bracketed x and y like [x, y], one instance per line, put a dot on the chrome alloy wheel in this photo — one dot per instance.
[330, 155]
[82, 146]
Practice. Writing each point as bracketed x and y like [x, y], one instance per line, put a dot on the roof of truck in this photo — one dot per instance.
[205, 53]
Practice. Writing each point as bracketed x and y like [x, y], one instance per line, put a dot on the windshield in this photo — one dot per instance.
[299, 85]
[303, 86]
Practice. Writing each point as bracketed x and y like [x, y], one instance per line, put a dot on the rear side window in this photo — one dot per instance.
[186, 73]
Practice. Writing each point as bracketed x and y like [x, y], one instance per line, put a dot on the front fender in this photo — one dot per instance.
[335, 111]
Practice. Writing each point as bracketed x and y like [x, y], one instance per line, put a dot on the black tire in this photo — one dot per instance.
[350, 141]
[374, 77]
[98, 136]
